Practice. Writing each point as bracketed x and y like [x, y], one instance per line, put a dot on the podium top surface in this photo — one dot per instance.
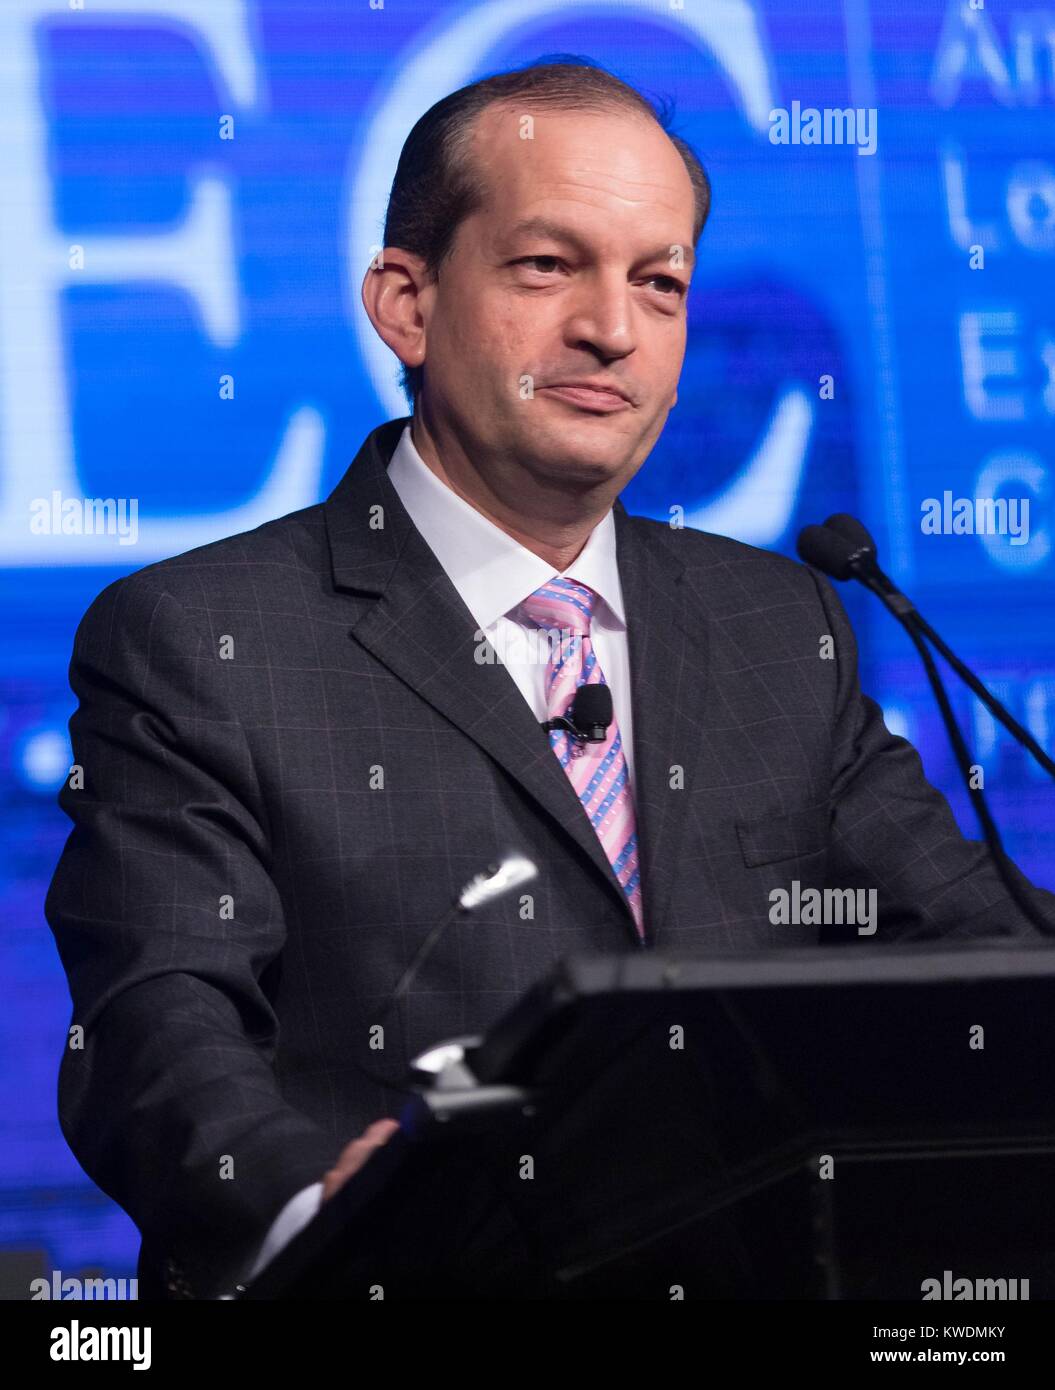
[871, 963]
[604, 992]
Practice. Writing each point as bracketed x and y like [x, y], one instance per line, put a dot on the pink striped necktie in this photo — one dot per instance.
[598, 771]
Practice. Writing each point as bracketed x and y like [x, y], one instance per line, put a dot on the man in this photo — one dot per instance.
[298, 744]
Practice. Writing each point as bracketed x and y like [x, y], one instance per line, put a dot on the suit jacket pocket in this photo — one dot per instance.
[792, 836]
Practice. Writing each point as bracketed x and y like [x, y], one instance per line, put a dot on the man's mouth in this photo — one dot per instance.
[601, 399]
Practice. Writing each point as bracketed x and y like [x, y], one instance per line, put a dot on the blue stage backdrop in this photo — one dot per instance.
[192, 190]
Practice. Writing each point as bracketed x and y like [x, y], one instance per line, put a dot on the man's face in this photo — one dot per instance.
[555, 331]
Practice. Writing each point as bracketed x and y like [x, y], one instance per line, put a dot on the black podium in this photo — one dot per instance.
[833, 1123]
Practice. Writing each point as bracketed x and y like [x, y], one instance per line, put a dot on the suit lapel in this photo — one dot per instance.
[668, 640]
[420, 629]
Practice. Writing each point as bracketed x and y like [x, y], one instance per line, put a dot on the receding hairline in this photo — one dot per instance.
[462, 150]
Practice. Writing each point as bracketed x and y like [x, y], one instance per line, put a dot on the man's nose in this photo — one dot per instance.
[602, 319]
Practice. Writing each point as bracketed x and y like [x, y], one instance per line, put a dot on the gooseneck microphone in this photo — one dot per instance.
[588, 716]
[844, 549]
[492, 883]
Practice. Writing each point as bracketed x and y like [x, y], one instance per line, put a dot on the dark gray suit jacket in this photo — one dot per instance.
[240, 894]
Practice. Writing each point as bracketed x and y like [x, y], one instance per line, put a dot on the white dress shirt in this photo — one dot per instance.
[493, 574]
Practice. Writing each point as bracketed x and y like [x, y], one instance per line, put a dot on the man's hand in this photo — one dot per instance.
[355, 1155]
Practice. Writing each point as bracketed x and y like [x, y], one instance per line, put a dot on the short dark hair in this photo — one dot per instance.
[436, 188]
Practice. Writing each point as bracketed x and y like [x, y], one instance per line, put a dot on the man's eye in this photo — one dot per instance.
[545, 265]
[667, 284]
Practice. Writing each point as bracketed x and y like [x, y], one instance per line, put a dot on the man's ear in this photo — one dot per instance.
[397, 295]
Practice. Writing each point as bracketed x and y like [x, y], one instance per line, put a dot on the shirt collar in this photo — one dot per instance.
[491, 571]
